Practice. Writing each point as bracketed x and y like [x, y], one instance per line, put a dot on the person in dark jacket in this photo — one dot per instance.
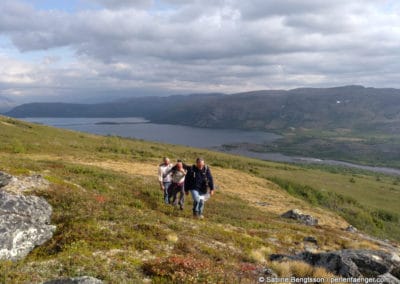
[198, 180]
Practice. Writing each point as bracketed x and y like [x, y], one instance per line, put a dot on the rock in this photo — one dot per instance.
[75, 280]
[4, 179]
[351, 229]
[350, 263]
[269, 272]
[311, 240]
[388, 278]
[26, 183]
[24, 224]
[395, 257]
[310, 244]
[303, 218]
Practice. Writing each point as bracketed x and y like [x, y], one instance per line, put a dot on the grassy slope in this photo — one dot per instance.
[112, 224]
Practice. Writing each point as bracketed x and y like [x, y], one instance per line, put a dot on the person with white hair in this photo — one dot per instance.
[165, 179]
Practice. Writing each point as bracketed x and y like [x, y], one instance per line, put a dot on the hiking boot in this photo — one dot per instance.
[198, 216]
[181, 207]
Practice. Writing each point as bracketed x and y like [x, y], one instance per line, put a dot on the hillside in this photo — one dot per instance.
[351, 107]
[111, 224]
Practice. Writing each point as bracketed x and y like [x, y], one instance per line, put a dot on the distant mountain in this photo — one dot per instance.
[6, 104]
[354, 107]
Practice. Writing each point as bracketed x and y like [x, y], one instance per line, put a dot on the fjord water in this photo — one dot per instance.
[140, 128]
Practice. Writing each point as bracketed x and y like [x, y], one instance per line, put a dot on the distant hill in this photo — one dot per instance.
[6, 104]
[353, 107]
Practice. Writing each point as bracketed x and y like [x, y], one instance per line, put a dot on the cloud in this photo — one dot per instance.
[129, 47]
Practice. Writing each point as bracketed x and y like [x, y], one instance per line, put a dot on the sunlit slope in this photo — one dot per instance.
[112, 224]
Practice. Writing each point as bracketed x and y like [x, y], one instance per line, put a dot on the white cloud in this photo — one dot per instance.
[187, 46]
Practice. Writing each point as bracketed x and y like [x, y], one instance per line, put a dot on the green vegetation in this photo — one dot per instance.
[366, 148]
[111, 223]
[375, 221]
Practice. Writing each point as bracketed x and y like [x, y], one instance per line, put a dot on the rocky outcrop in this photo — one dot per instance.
[24, 183]
[24, 220]
[352, 263]
[76, 280]
[4, 179]
[388, 278]
[296, 214]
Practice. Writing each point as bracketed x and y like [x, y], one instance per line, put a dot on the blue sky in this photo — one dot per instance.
[81, 50]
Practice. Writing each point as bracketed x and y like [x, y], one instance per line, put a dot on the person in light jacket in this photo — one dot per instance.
[164, 178]
[178, 173]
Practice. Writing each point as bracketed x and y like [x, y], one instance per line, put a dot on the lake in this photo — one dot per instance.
[140, 128]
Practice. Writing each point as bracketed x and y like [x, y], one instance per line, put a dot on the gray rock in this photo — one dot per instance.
[4, 179]
[310, 244]
[311, 240]
[351, 263]
[388, 278]
[269, 272]
[24, 224]
[75, 280]
[299, 216]
[26, 183]
[351, 229]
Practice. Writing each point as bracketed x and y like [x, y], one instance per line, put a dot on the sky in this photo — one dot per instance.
[101, 50]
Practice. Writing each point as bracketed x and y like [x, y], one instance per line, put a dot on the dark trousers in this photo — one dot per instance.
[176, 188]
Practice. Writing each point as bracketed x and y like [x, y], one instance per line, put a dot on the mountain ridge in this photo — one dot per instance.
[353, 107]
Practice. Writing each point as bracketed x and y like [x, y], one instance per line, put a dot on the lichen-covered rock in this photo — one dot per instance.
[25, 183]
[75, 280]
[299, 216]
[24, 224]
[4, 179]
[352, 263]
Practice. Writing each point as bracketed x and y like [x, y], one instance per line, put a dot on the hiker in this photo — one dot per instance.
[178, 173]
[163, 178]
[198, 181]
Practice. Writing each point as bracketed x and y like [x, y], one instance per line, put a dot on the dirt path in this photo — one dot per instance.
[258, 192]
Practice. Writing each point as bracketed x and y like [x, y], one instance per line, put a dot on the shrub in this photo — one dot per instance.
[376, 222]
[181, 269]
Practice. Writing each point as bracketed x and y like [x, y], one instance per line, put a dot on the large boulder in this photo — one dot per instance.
[352, 263]
[24, 224]
[75, 280]
[296, 214]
